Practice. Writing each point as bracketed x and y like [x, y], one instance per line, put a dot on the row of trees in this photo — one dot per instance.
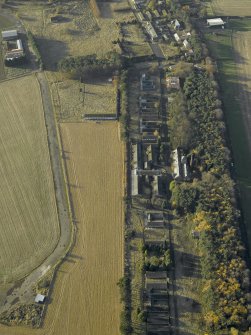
[210, 200]
[91, 65]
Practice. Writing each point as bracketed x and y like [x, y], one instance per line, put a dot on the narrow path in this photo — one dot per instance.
[23, 293]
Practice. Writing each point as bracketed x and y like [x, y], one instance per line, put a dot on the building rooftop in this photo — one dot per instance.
[40, 298]
[9, 34]
[215, 22]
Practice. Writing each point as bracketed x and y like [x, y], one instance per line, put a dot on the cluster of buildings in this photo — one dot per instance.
[151, 21]
[144, 169]
[13, 47]
[156, 301]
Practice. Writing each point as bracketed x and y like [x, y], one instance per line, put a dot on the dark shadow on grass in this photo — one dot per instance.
[52, 51]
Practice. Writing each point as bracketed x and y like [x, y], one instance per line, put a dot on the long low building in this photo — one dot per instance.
[8, 35]
[215, 22]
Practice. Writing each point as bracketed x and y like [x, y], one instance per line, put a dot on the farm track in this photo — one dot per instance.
[85, 298]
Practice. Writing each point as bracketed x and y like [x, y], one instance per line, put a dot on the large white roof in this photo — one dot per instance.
[215, 22]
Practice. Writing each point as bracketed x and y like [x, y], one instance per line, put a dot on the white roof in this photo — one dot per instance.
[215, 22]
[39, 298]
[9, 33]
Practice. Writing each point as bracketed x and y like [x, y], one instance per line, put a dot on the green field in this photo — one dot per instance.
[229, 7]
[5, 22]
[222, 49]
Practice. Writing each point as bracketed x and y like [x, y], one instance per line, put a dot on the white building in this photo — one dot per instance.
[215, 22]
[8, 35]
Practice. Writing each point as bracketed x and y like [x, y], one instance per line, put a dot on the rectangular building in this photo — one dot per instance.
[8, 35]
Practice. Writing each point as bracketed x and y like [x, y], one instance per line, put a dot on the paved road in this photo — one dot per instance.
[24, 293]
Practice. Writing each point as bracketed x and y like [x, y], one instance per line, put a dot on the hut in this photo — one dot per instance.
[40, 298]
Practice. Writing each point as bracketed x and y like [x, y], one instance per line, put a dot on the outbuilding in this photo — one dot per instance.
[215, 22]
[186, 43]
[173, 83]
[8, 35]
[40, 298]
[176, 36]
[176, 24]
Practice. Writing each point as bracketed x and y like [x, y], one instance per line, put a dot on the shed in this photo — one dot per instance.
[186, 43]
[173, 82]
[176, 24]
[9, 35]
[215, 22]
[176, 36]
[40, 298]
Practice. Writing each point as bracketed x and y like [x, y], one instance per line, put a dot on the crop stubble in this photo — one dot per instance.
[29, 223]
[85, 298]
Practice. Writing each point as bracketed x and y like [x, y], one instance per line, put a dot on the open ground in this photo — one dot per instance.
[29, 220]
[85, 298]
[229, 7]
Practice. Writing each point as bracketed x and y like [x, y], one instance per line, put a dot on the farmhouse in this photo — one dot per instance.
[173, 83]
[215, 22]
[9, 35]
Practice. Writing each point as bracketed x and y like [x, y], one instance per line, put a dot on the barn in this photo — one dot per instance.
[217, 22]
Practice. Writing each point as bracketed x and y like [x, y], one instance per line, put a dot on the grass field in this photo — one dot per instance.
[85, 297]
[29, 223]
[229, 7]
[74, 99]
[232, 51]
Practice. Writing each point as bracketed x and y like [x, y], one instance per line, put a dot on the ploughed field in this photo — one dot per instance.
[29, 228]
[230, 7]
